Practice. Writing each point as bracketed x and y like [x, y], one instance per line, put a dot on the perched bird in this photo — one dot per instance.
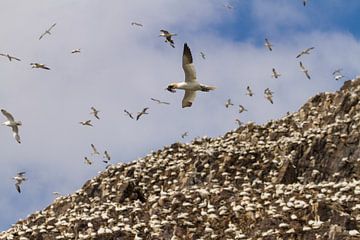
[268, 44]
[47, 31]
[228, 103]
[249, 92]
[190, 85]
[203, 55]
[86, 123]
[107, 157]
[275, 74]
[39, 65]
[141, 113]
[242, 108]
[95, 152]
[136, 24]
[184, 134]
[12, 123]
[239, 122]
[19, 178]
[95, 112]
[88, 161]
[337, 71]
[305, 51]
[10, 57]
[306, 72]
[268, 95]
[168, 37]
[129, 114]
[158, 101]
[76, 50]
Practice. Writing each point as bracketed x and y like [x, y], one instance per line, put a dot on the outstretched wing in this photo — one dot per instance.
[188, 99]
[188, 66]
[7, 115]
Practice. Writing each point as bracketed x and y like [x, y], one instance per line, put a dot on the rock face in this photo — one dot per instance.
[294, 178]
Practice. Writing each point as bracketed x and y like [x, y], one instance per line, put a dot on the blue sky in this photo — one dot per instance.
[122, 66]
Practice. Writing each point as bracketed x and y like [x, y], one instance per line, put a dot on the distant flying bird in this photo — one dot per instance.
[141, 113]
[268, 95]
[184, 134]
[190, 85]
[306, 72]
[77, 50]
[305, 51]
[268, 44]
[239, 122]
[136, 24]
[304, 2]
[47, 31]
[95, 112]
[228, 6]
[39, 65]
[228, 103]
[242, 108]
[168, 37]
[249, 92]
[338, 77]
[86, 123]
[337, 71]
[107, 157]
[129, 114]
[10, 57]
[203, 55]
[19, 178]
[158, 101]
[88, 161]
[57, 194]
[95, 152]
[275, 74]
[12, 123]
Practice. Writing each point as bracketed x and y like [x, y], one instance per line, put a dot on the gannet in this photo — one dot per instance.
[203, 55]
[158, 101]
[141, 113]
[39, 65]
[76, 50]
[275, 74]
[305, 51]
[47, 31]
[13, 124]
[86, 123]
[190, 85]
[304, 70]
[184, 134]
[168, 37]
[87, 161]
[19, 178]
[249, 92]
[268, 95]
[57, 194]
[338, 77]
[239, 122]
[95, 112]
[95, 152]
[228, 103]
[268, 44]
[129, 114]
[107, 157]
[9, 57]
[337, 71]
[136, 24]
[242, 108]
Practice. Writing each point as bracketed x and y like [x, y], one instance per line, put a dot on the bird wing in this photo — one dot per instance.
[164, 31]
[18, 187]
[16, 134]
[7, 115]
[307, 74]
[302, 66]
[309, 49]
[21, 173]
[52, 27]
[188, 66]
[16, 58]
[188, 99]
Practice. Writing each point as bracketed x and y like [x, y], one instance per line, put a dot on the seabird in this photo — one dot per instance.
[129, 114]
[190, 85]
[9, 57]
[306, 72]
[275, 74]
[239, 122]
[249, 92]
[337, 71]
[228, 103]
[47, 31]
[39, 65]
[141, 113]
[19, 178]
[136, 24]
[95, 152]
[268, 44]
[77, 50]
[203, 55]
[12, 123]
[95, 112]
[242, 108]
[168, 37]
[268, 95]
[86, 123]
[158, 101]
[107, 157]
[57, 194]
[305, 51]
[87, 161]
[338, 77]
[184, 134]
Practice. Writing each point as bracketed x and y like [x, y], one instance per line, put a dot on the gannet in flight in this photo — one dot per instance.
[337, 71]
[39, 65]
[136, 24]
[57, 194]
[268, 95]
[249, 92]
[184, 134]
[305, 51]
[13, 124]
[47, 31]
[268, 44]
[129, 114]
[158, 101]
[338, 77]
[242, 108]
[190, 85]
[86, 123]
[76, 50]
[95, 112]
[203, 55]
[306, 72]
[239, 122]
[168, 37]
[275, 74]
[141, 113]
[9, 57]
[19, 178]
[95, 152]
[228, 103]
[107, 157]
[87, 161]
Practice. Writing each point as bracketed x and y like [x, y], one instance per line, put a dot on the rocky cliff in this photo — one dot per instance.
[294, 178]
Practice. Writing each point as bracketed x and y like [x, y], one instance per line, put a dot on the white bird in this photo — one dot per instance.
[13, 124]
[268, 95]
[76, 50]
[203, 55]
[306, 72]
[129, 114]
[88, 161]
[228, 103]
[95, 112]
[242, 108]
[239, 122]
[159, 101]
[190, 85]
[141, 113]
[39, 65]
[57, 194]
[95, 152]
[47, 31]
[86, 123]
[184, 134]
[249, 92]
[168, 37]
[268, 44]
[338, 77]
[9, 57]
[136, 24]
[305, 51]
[19, 178]
[275, 74]
[107, 157]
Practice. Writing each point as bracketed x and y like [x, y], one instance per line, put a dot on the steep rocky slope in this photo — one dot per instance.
[294, 178]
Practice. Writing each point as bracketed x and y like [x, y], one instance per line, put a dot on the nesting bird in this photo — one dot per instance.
[9, 57]
[190, 85]
[168, 37]
[305, 51]
[136, 24]
[47, 31]
[95, 152]
[306, 72]
[141, 113]
[268, 44]
[39, 65]
[11, 122]
[86, 123]
[19, 178]
[95, 112]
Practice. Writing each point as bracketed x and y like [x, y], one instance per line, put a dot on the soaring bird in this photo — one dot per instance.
[86, 123]
[47, 31]
[239, 122]
[76, 50]
[268, 95]
[190, 85]
[136, 24]
[275, 74]
[203, 55]
[95, 112]
[306, 72]
[337, 71]
[159, 101]
[12, 123]
[338, 77]
[39, 65]
[184, 135]
[128, 113]
[142, 113]
[10, 57]
[19, 178]
[88, 161]
[228, 103]
[249, 92]
[268, 44]
[107, 157]
[228, 6]
[168, 37]
[95, 152]
[305, 51]
[242, 108]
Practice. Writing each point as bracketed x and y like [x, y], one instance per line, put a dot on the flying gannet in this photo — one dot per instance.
[228, 6]
[12, 123]
[142, 113]
[107, 157]
[242, 108]
[39, 65]
[76, 50]
[275, 74]
[168, 37]
[239, 122]
[95, 112]
[305, 51]
[159, 101]
[129, 114]
[268, 95]
[95, 152]
[306, 72]
[203, 55]
[87, 161]
[249, 92]
[19, 178]
[268, 44]
[86, 123]
[10, 57]
[136, 24]
[47, 31]
[190, 85]
[228, 103]
[184, 135]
